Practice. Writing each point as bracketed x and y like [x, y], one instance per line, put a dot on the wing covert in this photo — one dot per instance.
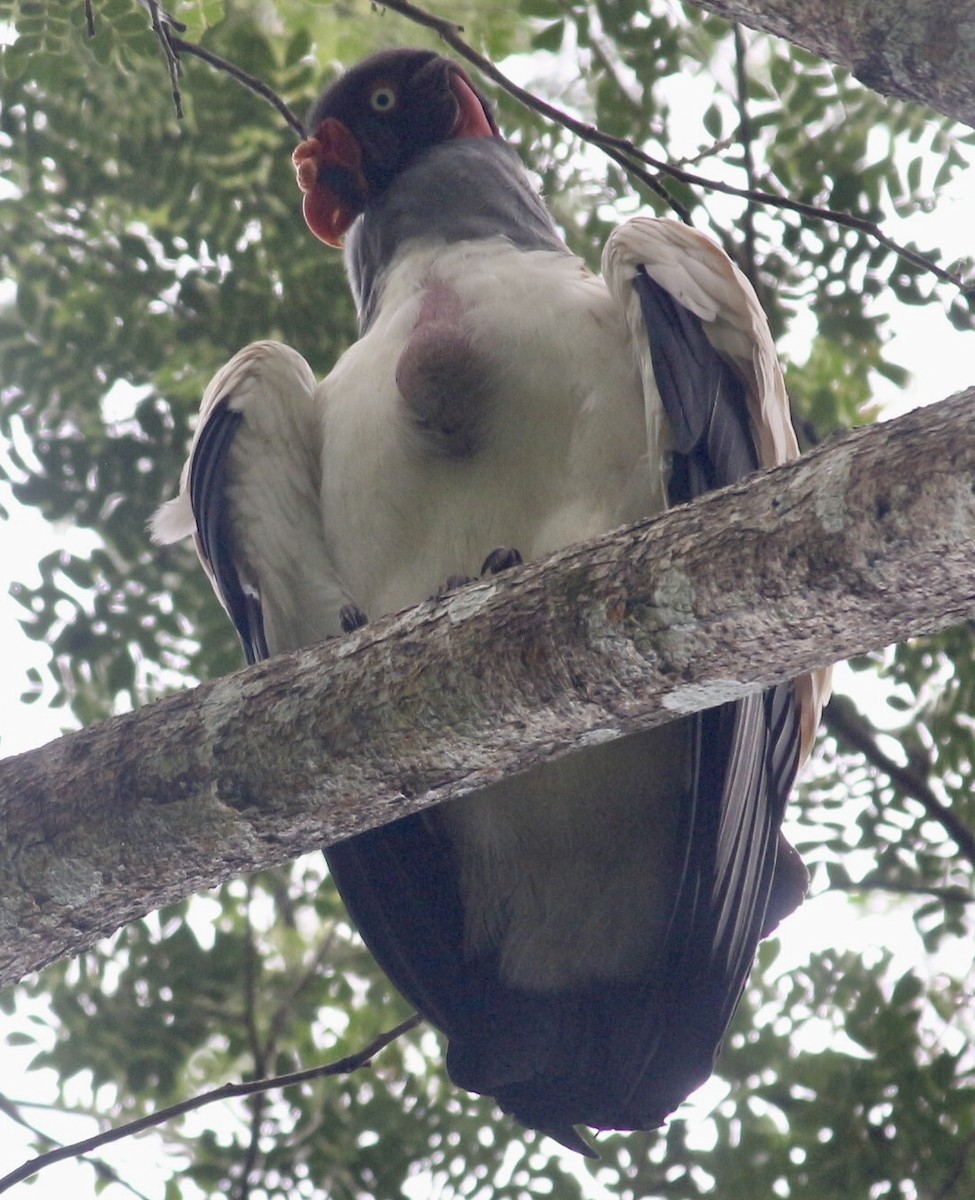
[707, 359]
[250, 495]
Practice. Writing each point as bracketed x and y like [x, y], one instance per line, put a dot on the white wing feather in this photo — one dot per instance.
[272, 489]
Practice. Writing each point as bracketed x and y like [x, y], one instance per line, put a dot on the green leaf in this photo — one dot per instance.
[144, 252]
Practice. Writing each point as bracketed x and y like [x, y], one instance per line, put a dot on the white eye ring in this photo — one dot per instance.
[383, 98]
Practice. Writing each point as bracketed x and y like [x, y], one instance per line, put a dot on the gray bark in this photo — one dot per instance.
[919, 50]
[867, 540]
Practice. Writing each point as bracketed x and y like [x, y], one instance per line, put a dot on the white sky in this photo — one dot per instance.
[942, 361]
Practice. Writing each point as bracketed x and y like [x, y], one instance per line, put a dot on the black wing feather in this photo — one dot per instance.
[399, 873]
[748, 751]
[209, 469]
[702, 396]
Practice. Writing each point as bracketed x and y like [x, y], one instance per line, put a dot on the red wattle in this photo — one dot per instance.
[326, 214]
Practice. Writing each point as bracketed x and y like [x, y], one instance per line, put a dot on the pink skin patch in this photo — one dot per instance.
[439, 374]
[440, 305]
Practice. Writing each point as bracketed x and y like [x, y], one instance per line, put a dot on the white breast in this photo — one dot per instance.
[562, 454]
[564, 894]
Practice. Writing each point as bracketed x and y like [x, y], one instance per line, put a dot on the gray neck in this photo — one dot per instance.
[461, 190]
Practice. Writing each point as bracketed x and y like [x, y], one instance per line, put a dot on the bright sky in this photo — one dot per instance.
[940, 360]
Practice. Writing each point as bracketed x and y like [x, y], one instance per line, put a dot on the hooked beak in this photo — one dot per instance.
[473, 117]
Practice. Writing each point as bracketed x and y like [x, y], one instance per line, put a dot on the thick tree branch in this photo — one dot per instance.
[867, 540]
[919, 50]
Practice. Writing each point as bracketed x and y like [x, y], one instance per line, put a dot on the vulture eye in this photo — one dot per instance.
[382, 99]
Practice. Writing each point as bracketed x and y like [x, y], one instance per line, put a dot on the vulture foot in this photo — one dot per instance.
[351, 617]
[501, 559]
[453, 583]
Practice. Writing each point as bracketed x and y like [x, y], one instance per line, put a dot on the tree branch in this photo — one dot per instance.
[244, 78]
[750, 265]
[868, 539]
[344, 1066]
[105, 1173]
[849, 727]
[240, 1189]
[622, 151]
[877, 883]
[630, 157]
[160, 27]
[921, 52]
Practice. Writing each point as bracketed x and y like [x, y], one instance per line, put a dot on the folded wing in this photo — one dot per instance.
[250, 496]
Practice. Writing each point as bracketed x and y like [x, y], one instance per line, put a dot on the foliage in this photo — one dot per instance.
[144, 251]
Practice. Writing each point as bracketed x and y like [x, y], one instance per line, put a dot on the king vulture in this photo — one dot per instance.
[580, 933]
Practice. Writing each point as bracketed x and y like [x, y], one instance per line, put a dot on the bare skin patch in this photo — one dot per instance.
[440, 375]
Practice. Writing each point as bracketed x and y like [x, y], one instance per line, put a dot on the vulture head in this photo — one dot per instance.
[372, 123]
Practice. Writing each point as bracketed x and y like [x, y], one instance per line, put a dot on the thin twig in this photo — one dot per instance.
[260, 1053]
[251, 82]
[962, 1156]
[748, 158]
[622, 151]
[313, 969]
[450, 33]
[343, 1066]
[659, 189]
[160, 29]
[11, 1108]
[165, 17]
[710, 151]
[845, 722]
[870, 883]
[601, 53]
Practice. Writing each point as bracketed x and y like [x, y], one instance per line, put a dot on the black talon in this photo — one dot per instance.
[352, 617]
[501, 559]
[454, 582]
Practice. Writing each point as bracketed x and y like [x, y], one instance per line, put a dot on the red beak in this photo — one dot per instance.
[472, 118]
